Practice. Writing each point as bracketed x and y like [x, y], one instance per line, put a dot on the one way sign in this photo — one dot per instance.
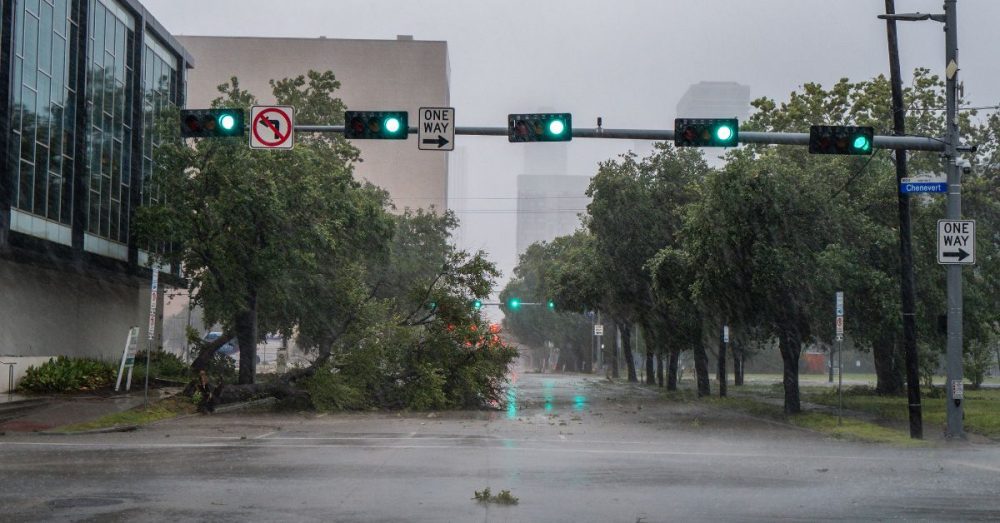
[436, 129]
[956, 242]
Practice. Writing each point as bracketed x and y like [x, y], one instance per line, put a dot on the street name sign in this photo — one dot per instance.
[436, 129]
[956, 242]
[272, 127]
[922, 185]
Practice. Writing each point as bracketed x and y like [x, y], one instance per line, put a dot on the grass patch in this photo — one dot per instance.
[849, 428]
[164, 409]
[982, 408]
[503, 498]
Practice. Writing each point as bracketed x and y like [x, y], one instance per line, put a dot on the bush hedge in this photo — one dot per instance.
[63, 374]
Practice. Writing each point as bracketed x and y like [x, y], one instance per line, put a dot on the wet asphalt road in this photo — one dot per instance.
[573, 448]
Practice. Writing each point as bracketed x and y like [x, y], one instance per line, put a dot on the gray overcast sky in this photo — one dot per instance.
[628, 61]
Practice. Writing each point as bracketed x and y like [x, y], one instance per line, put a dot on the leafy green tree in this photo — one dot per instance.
[535, 325]
[249, 225]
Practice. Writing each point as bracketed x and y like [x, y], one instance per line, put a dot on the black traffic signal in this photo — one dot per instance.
[376, 125]
[477, 304]
[540, 127]
[211, 123]
[551, 305]
[841, 139]
[706, 132]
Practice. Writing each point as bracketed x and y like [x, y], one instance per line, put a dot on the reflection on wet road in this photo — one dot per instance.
[572, 448]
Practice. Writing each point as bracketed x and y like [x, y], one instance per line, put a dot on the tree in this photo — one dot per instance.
[248, 226]
[635, 212]
[536, 325]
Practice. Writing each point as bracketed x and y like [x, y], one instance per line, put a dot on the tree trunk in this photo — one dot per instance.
[888, 365]
[659, 370]
[615, 372]
[207, 350]
[675, 355]
[791, 345]
[738, 360]
[650, 366]
[245, 324]
[720, 375]
[626, 331]
[701, 370]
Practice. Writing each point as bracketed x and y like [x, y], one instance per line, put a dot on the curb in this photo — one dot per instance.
[106, 430]
[232, 407]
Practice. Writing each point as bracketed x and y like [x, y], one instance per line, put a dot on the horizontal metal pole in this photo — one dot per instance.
[911, 143]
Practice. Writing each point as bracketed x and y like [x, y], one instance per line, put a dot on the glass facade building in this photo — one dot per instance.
[84, 81]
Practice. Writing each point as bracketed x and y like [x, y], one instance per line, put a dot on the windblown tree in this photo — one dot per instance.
[533, 282]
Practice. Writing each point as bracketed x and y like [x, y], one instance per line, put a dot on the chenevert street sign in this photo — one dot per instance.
[956, 242]
[436, 129]
[922, 185]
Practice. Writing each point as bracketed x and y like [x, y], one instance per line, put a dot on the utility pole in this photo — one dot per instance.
[954, 212]
[950, 149]
[906, 278]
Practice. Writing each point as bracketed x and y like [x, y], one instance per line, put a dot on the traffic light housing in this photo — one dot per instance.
[477, 304]
[540, 127]
[841, 139]
[211, 123]
[706, 132]
[551, 305]
[376, 125]
[514, 304]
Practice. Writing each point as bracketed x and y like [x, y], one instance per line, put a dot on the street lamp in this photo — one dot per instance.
[954, 212]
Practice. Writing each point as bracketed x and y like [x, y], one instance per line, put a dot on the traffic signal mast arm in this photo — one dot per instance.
[912, 143]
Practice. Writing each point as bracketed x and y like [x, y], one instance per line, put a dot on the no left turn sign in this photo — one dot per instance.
[272, 127]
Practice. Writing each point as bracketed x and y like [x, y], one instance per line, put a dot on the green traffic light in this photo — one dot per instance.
[514, 303]
[551, 305]
[227, 122]
[392, 125]
[861, 143]
[724, 133]
[477, 305]
[556, 127]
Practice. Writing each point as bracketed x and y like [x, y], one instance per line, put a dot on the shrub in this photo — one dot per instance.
[64, 374]
[163, 365]
[330, 390]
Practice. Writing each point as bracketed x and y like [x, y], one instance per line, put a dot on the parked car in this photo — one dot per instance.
[231, 348]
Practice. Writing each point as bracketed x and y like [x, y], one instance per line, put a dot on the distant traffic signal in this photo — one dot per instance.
[211, 123]
[540, 127]
[706, 132]
[477, 304]
[841, 139]
[514, 304]
[551, 305]
[376, 125]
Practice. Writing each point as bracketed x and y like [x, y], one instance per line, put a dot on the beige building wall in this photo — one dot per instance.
[402, 74]
[50, 312]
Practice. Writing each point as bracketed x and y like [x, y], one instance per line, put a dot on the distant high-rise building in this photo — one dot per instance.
[548, 206]
[715, 100]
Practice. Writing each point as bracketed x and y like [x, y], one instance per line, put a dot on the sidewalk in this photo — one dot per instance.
[48, 412]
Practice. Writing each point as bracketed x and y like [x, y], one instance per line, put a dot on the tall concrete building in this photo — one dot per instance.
[549, 206]
[401, 74]
[715, 100]
[82, 82]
